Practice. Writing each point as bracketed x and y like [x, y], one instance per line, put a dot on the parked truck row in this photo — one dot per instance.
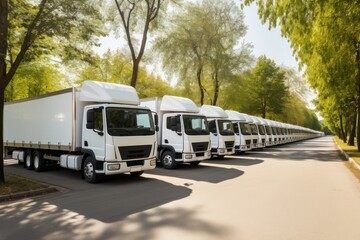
[105, 129]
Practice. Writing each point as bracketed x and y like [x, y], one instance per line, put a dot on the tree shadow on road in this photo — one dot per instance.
[46, 220]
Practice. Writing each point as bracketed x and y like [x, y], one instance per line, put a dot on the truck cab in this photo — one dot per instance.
[242, 131]
[221, 131]
[116, 135]
[183, 135]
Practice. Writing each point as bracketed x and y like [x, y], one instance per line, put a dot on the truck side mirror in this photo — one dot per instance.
[156, 120]
[90, 119]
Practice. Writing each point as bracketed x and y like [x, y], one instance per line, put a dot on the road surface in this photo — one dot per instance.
[296, 191]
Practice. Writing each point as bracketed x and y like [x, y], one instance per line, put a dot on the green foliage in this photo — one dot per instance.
[267, 89]
[325, 38]
[115, 68]
[33, 79]
[200, 45]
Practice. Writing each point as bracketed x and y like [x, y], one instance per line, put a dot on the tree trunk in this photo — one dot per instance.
[358, 93]
[135, 73]
[198, 76]
[216, 89]
[2, 175]
[343, 136]
[4, 26]
[353, 130]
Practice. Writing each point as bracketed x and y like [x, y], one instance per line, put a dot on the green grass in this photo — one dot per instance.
[16, 184]
[350, 150]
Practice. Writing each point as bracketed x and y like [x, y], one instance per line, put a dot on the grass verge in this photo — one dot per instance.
[16, 184]
[350, 150]
[353, 153]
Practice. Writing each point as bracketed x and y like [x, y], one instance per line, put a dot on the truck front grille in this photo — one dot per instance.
[200, 146]
[263, 140]
[248, 142]
[229, 144]
[134, 152]
[254, 141]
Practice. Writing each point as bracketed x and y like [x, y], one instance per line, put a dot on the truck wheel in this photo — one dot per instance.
[29, 161]
[195, 163]
[39, 161]
[89, 170]
[168, 160]
[136, 174]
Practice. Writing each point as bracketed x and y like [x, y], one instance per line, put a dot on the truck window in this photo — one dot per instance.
[98, 119]
[212, 126]
[245, 129]
[268, 130]
[129, 122]
[254, 129]
[195, 125]
[261, 129]
[236, 128]
[226, 127]
[169, 123]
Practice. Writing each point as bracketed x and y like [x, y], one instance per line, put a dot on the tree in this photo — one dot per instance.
[325, 38]
[114, 67]
[134, 14]
[267, 88]
[25, 25]
[206, 35]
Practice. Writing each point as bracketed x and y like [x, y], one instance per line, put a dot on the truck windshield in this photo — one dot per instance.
[254, 129]
[195, 125]
[226, 127]
[129, 122]
[245, 129]
[268, 130]
[261, 129]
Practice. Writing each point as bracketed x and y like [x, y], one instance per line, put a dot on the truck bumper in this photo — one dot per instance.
[112, 168]
[193, 157]
[225, 151]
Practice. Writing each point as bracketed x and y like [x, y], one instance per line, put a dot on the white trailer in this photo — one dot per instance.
[221, 131]
[183, 135]
[98, 129]
[242, 131]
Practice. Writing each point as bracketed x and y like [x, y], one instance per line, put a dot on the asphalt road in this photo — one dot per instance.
[296, 191]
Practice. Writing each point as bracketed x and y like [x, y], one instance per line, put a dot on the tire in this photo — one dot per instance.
[136, 174]
[29, 161]
[195, 163]
[168, 160]
[89, 170]
[39, 161]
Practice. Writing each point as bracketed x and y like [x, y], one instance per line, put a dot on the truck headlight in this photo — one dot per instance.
[113, 167]
[188, 156]
[222, 150]
[152, 162]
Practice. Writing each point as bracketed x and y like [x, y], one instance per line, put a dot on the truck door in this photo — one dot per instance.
[94, 136]
[173, 132]
[214, 136]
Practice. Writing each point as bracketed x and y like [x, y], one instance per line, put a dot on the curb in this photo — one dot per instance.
[354, 163]
[20, 195]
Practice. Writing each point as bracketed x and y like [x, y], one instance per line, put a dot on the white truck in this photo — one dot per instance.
[221, 131]
[183, 135]
[242, 131]
[98, 129]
